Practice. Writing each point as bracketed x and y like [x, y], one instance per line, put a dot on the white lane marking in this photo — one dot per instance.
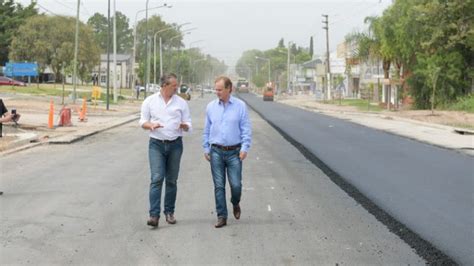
[248, 188]
[272, 188]
[269, 208]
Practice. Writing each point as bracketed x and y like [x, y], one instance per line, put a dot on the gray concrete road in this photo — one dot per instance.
[426, 188]
[86, 203]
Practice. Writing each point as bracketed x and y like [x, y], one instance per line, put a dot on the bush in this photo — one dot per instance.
[465, 104]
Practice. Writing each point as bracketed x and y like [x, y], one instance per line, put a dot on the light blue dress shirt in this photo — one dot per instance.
[227, 124]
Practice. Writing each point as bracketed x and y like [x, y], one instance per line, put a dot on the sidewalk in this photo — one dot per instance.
[32, 129]
[459, 139]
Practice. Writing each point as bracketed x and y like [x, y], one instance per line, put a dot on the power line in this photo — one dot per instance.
[356, 12]
[64, 5]
[85, 9]
[45, 9]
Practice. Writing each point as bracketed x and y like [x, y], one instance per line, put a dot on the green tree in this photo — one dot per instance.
[98, 23]
[169, 41]
[49, 40]
[281, 43]
[12, 16]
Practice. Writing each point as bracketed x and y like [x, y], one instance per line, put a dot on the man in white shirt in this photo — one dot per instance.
[166, 116]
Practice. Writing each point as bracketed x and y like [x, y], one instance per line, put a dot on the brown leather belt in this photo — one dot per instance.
[227, 148]
[165, 141]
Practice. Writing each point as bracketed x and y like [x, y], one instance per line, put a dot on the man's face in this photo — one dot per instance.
[222, 93]
[170, 88]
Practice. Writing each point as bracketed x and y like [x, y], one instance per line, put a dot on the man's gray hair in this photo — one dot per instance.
[166, 79]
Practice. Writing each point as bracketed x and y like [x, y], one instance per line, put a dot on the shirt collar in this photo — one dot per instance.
[231, 100]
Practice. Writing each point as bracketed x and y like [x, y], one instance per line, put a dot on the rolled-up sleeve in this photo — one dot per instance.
[145, 112]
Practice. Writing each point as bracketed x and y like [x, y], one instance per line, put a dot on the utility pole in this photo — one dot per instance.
[114, 73]
[76, 49]
[328, 69]
[161, 59]
[108, 53]
[288, 70]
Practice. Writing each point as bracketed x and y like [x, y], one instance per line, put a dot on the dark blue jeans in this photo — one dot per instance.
[222, 163]
[164, 166]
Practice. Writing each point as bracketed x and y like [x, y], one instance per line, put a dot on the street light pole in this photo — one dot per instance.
[161, 57]
[114, 73]
[108, 55]
[147, 62]
[135, 40]
[154, 53]
[328, 62]
[76, 49]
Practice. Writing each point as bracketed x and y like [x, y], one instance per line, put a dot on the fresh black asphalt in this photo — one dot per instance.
[422, 193]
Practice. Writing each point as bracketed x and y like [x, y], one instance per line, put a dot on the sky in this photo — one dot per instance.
[227, 28]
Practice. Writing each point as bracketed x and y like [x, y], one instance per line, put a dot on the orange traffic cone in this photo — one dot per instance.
[82, 113]
[51, 115]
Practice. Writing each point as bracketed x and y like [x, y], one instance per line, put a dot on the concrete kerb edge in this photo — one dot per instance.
[21, 148]
[79, 137]
[423, 248]
[93, 132]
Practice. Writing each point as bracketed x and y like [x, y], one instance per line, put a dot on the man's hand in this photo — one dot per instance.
[184, 127]
[208, 158]
[8, 118]
[154, 126]
[242, 155]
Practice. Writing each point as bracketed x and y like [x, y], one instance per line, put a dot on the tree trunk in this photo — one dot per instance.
[386, 74]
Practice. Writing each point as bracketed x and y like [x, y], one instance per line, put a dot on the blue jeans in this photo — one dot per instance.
[164, 166]
[223, 162]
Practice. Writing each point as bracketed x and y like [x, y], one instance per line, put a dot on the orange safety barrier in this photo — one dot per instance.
[65, 117]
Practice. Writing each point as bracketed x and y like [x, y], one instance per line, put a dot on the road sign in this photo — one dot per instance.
[21, 70]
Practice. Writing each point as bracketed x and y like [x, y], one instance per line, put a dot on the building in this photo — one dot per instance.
[124, 70]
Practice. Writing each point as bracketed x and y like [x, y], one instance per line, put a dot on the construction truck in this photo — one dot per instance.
[268, 92]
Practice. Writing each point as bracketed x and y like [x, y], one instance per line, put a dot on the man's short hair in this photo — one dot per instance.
[227, 81]
[166, 79]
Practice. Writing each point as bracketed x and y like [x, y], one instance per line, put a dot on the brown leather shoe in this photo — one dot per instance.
[153, 221]
[237, 211]
[220, 222]
[170, 218]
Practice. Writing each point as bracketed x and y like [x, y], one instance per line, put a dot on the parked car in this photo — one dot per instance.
[11, 82]
[209, 89]
[184, 92]
[151, 88]
[243, 89]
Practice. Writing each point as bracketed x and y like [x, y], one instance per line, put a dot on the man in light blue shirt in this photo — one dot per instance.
[226, 140]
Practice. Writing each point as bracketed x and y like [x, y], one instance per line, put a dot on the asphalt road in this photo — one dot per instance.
[87, 203]
[426, 188]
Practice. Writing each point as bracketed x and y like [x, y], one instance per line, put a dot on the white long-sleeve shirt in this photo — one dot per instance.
[169, 115]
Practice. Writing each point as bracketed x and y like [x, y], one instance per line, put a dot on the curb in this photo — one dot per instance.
[68, 139]
[77, 136]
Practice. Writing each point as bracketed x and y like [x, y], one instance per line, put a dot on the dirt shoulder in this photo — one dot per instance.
[33, 124]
